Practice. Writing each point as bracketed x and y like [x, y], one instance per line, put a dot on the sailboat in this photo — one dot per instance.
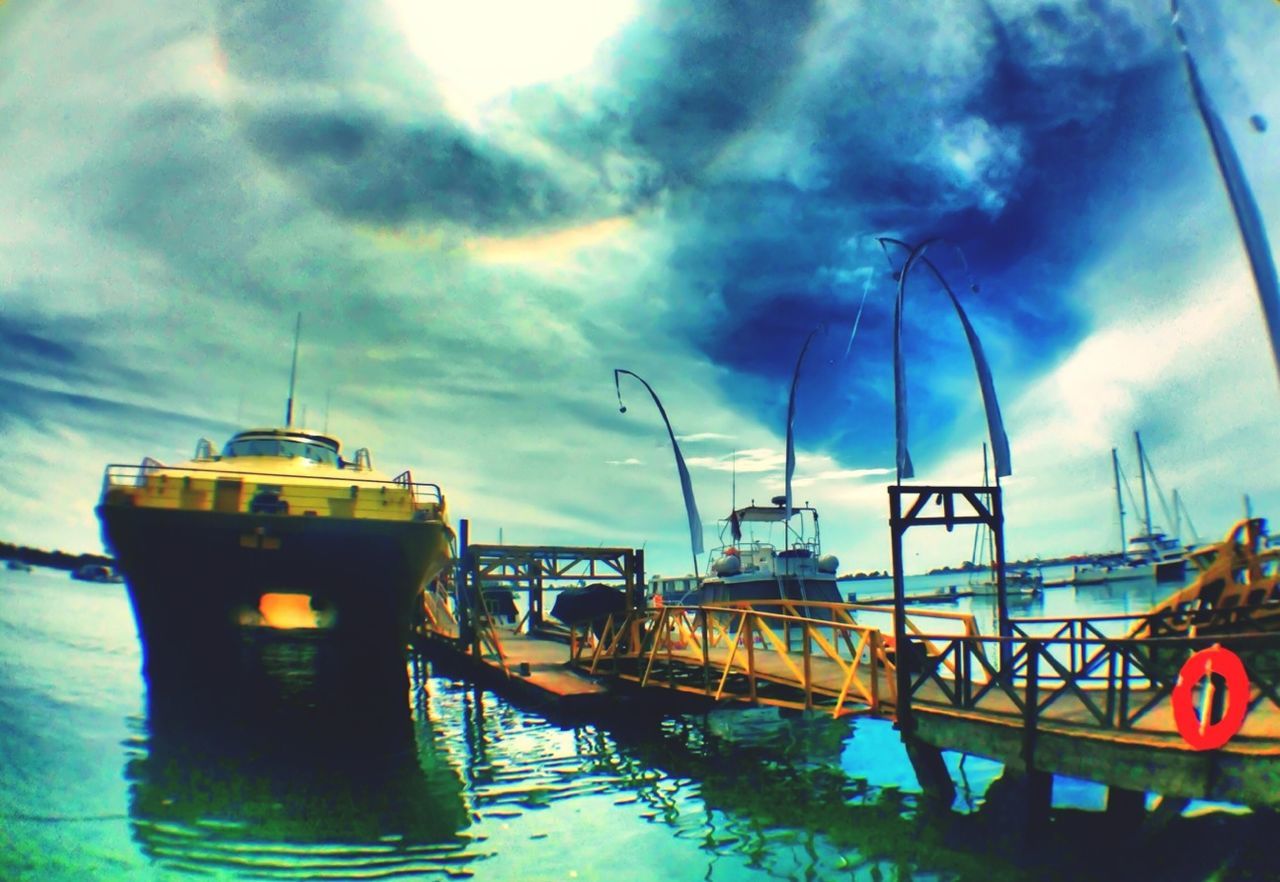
[1151, 553]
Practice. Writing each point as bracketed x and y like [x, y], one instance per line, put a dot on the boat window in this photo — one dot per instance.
[283, 447]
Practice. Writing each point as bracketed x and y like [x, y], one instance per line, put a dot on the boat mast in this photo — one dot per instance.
[1115, 466]
[1142, 471]
[1177, 516]
[293, 373]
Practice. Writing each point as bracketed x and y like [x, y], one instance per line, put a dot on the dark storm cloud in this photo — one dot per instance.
[36, 405]
[692, 76]
[64, 352]
[1012, 143]
[362, 164]
[23, 348]
[278, 39]
[346, 113]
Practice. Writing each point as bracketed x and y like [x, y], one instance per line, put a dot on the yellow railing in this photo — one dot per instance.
[194, 489]
[810, 654]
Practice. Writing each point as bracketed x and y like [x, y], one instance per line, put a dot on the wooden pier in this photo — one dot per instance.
[1082, 697]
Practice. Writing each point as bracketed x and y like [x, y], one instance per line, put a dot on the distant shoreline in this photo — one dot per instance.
[57, 560]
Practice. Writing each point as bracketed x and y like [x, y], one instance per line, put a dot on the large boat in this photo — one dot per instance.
[277, 532]
[765, 553]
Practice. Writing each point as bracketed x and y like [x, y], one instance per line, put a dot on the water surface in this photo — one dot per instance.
[310, 769]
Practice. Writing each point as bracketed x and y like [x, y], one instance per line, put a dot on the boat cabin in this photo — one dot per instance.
[285, 443]
[755, 538]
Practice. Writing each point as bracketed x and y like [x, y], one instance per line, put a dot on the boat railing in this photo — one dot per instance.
[192, 487]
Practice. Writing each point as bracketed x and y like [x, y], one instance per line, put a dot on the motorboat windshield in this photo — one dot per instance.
[772, 527]
[316, 448]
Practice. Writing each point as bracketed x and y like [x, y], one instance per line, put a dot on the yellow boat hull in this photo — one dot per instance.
[198, 579]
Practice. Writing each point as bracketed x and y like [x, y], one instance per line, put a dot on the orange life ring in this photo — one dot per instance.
[1202, 733]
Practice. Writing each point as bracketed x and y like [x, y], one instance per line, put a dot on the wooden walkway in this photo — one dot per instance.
[1071, 696]
[1073, 702]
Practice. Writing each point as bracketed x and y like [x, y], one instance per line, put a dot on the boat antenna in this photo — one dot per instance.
[293, 373]
[733, 498]
[327, 394]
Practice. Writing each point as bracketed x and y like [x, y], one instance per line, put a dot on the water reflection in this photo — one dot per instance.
[777, 790]
[307, 764]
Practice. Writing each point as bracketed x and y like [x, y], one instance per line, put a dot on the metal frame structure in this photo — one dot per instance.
[528, 568]
[984, 509]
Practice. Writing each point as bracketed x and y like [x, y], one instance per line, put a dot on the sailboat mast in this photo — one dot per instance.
[1177, 516]
[1115, 466]
[1142, 472]
[293, 373]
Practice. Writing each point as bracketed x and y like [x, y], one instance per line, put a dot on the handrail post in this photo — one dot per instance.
[808, 670]
[1002, 599]
[706, 656]
[901, 673]
[1031, 712]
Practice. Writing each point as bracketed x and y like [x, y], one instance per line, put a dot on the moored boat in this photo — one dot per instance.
[767, 553]
[1022, 582]
[277, 532]
[96, 573]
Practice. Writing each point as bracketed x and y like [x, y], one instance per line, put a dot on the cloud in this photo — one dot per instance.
[690, 198]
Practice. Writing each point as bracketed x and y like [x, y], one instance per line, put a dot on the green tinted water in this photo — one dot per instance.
[438, 780]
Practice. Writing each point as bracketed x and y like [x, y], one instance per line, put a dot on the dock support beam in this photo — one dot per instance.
[1126, 809]
[932, 773]
[1019, 801]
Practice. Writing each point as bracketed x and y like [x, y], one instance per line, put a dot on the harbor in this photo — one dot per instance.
[1074, 695]
[466, 778]
[628, 441]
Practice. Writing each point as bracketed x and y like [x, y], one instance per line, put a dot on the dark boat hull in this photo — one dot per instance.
[715, 590]
[196, 578]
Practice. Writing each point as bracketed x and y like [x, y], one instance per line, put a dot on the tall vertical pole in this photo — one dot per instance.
[901, 655]
[462, 598]
[1142, 471]
[1115, 466]
[293, 373]
[1002, 599]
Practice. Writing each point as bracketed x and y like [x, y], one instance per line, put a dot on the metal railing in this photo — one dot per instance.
[1076, 675]
[194, 488]
[804, 655]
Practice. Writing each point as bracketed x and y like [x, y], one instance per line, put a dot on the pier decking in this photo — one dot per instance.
[1083, 697]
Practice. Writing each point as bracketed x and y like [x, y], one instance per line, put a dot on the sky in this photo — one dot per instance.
[481, 210]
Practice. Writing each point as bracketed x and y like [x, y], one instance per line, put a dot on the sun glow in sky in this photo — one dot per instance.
[480, 50]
